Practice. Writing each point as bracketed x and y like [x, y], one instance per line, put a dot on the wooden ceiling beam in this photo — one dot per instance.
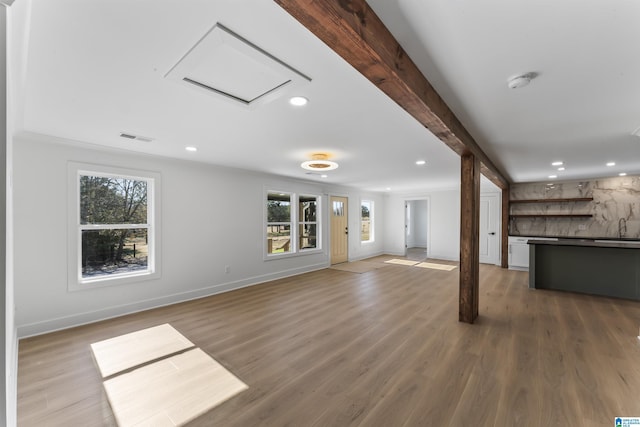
[353, 30]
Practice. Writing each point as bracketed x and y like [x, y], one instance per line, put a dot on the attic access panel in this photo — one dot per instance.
[226, 65]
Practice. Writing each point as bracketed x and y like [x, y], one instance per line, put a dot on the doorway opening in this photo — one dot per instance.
[417, 229]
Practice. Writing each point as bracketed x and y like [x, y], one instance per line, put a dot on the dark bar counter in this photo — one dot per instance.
[605, 268]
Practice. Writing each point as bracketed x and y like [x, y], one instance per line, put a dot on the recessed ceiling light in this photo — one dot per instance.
[191, 148]
[557, 163]
[553, 176]
[622, 174]
[420, 162]
[561, 169]
[611, 164]
[298, 101]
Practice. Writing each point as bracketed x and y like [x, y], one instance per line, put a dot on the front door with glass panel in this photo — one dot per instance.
[339, 230]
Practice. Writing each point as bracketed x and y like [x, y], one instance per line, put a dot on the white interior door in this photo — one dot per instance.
[489, 230]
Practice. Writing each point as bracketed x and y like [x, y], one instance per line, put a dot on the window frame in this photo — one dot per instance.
[371, 221]
[290, 223]
[295, 249]
[75, 281]
[300, 222]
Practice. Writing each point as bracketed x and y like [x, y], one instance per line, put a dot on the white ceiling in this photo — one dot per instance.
[95, 69]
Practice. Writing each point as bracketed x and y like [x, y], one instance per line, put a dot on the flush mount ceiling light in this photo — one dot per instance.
[298, 101]
[521, 80]
[558, 163]
[421, 162]
[191, 149]
[319, 163]
[611, 164]
[553, 176]
[561, 169]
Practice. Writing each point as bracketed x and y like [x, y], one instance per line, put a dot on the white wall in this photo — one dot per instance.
[10, 336]
[211, 217]
[6, 320]
[443, 226]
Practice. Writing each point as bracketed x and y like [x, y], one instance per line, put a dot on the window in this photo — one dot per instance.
[292, 223]
[278, 223]
[113, 233]
[308, 226]
[338, 208]
[366, 221]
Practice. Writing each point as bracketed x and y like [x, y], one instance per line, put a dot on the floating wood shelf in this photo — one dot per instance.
[551, 216]
[573, 199]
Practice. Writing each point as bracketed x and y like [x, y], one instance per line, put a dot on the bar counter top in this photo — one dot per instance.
[607, 268]
[586, 243]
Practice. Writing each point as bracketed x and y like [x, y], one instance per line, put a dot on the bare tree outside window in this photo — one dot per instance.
[114, 225]
[366, 232]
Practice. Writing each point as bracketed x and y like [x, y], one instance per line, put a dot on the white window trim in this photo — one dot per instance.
[75, 282]
[372, 234]
[295, 225]
[291, 223]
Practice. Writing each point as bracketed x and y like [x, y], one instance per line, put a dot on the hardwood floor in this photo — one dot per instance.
[383, 348]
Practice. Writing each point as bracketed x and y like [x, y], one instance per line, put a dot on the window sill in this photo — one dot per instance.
[103, 282]
[302, 252]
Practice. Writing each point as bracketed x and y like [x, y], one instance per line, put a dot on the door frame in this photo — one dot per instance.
[330, 227]
[404, 230]
[494, 224]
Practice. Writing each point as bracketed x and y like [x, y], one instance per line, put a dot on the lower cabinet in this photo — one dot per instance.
[518, 253]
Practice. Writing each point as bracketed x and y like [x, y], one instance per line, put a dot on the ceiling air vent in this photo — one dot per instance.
[226, 65]
[136, 137]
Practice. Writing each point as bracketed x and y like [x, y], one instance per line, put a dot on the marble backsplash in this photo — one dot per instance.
[614, 210]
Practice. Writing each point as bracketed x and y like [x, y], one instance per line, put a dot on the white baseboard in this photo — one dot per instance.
[66, 322]
[367, 256]
[445, 257]
[393, 253]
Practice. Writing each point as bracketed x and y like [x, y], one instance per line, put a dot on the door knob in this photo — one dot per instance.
[493, 233]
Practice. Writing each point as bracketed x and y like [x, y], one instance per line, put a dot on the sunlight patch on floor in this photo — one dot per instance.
[159, 378]
[401, 262]
[435, 266]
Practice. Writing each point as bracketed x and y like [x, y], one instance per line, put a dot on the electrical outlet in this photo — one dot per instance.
[227, 269]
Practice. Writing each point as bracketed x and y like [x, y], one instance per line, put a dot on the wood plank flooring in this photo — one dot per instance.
[382, 348]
